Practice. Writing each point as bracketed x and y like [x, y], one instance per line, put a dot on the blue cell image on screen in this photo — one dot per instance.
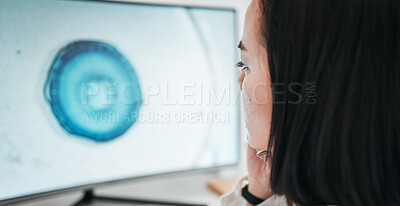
[96, 92]
[93, 91]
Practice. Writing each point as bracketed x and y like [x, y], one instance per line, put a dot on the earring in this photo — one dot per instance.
[263, 153]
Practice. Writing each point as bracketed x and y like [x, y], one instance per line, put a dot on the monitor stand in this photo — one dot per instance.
[90, 198]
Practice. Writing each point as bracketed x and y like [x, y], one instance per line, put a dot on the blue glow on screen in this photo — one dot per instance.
[93, 90]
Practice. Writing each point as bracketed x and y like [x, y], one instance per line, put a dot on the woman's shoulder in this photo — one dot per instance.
[234, 197]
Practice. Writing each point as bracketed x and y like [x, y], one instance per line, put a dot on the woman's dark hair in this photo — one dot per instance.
[340, 144]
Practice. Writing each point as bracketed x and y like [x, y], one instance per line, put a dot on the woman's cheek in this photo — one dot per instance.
[256, 118]
[258, 130]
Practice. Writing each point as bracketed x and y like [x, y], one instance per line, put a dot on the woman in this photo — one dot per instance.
[320, 82]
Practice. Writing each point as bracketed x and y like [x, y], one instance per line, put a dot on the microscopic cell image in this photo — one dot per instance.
[93, 91]
[99, 91]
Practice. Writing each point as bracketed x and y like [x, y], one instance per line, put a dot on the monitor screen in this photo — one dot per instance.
[95, 91]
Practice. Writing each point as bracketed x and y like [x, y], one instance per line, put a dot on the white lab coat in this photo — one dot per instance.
[234, 197]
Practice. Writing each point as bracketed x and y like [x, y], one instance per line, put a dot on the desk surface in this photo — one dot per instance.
[188, 188]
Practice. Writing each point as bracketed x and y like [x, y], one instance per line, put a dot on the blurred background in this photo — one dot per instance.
[131, 99]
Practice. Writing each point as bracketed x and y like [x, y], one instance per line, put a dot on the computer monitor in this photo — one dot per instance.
[94, 92]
